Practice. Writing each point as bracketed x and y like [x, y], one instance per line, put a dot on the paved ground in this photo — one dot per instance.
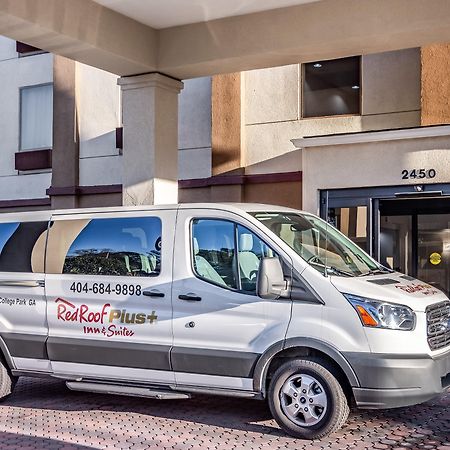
[43, 414]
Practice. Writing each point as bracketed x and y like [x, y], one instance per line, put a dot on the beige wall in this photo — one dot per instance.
[436, 84]
[372, 164]
[272, 98]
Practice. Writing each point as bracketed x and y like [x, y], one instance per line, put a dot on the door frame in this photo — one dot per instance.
[371, 198]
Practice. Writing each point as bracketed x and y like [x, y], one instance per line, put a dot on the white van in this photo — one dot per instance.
[234, 299]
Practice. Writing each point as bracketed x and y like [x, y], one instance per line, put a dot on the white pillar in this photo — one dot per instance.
[150, 139]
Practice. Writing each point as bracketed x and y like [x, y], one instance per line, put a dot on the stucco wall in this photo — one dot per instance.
[372, 164]
[271, 103]
[436, 84]
[226, 123]
[15, 73]
[99, 114]
[194, 129]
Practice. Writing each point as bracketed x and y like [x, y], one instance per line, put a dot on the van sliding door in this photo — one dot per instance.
[23, 324]
[108, 289]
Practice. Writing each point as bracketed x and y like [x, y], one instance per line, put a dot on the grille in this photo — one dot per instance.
[438, 325]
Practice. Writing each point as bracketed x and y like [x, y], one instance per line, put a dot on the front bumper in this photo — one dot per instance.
[392, 381]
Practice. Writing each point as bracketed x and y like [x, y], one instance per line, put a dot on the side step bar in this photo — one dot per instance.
[130, 391]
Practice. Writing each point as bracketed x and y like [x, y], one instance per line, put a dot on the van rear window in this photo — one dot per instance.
[22, 246]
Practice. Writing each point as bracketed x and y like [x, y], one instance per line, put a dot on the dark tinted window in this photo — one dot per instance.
[227, 254]
[332, 87]
[122, 246]
[22, 246]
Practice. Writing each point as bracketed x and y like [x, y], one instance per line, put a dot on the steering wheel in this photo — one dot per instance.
[253, 275]
[314, 259]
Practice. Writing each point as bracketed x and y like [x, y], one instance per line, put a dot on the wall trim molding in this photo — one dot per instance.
[21, 203]
[372, 136]
[85, 190]
[227, 180]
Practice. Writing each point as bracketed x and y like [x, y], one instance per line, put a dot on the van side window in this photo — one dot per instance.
[119, 246]
[213, 243]
[251, 249]
[227, 254]
[22, 246]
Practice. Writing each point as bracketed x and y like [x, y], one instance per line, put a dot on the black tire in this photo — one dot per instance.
[7, 381]
[330, 419]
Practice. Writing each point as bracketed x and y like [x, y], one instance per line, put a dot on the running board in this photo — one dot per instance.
[130, 391]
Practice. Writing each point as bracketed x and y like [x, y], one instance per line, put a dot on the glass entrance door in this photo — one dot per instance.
[414, 238]
[433, 250]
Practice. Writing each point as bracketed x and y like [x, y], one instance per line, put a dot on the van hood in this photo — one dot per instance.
[392, 287]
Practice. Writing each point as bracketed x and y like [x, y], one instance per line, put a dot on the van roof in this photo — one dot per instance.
[234, 207]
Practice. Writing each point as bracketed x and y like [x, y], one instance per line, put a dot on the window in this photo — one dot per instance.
[36, 117]
[352, 222]
[319, 244]
[22, 246]
[27, 50]
[331, 88]
[120, 246]
[227, 254]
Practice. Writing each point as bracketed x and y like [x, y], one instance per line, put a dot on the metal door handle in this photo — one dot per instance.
[22, 283]
[190, 297]
[153, 293]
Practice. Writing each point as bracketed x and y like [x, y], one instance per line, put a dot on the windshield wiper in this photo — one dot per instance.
[379, 271]
[332, 269]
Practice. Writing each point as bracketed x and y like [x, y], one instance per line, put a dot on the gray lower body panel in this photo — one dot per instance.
[106, 353]
[22, 345]
[391, 381]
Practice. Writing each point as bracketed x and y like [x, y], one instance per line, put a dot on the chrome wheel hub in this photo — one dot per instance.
[303, 400]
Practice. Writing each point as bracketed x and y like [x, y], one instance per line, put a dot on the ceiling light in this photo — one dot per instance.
[355, 86]
[317, 65]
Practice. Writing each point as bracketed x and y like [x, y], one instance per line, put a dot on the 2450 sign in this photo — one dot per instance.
[418, 174]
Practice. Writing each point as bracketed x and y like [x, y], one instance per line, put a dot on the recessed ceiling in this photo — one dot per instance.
[168, 13]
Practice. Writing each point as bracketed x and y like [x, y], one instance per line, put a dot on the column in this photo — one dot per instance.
[150, 139]
[66, 152]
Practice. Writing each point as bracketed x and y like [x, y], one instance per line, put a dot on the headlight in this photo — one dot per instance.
[379, 314]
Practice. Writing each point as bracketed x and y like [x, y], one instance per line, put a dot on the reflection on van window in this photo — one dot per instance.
[121, 246]
[22, 246]
[227, 254]
[6, 231]
[319, 244]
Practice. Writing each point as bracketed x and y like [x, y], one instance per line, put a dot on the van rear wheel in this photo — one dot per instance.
[7, 381]
[306, 399]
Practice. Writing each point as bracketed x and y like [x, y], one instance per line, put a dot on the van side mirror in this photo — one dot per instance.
[270, 283]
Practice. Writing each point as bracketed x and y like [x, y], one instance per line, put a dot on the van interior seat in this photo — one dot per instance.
[248, 261]
[204, 268]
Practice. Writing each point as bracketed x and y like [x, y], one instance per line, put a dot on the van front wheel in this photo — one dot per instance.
[306, 399]
[7, 381]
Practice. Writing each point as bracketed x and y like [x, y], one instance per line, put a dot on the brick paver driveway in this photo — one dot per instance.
[45, 414]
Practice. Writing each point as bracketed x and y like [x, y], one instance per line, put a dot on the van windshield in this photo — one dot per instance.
[320, 244]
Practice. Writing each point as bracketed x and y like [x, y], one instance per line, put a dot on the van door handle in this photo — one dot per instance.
[153, 293]
[190, 297]
[22, 283]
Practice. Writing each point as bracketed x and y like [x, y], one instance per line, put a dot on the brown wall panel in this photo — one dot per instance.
[435, 84]
[226, 123]
[96, 200]
[284, 194]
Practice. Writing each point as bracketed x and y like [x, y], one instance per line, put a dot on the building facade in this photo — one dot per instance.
[61, 128]
[362, 141]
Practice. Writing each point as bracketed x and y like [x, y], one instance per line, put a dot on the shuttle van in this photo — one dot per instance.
[243, 300]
